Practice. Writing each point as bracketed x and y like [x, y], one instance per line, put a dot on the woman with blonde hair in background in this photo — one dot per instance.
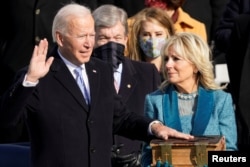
[149, 32]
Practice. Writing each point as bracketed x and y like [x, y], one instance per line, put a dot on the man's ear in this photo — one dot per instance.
[59, 38]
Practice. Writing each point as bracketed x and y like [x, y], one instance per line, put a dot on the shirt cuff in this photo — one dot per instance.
[28, 83]
[150, 125]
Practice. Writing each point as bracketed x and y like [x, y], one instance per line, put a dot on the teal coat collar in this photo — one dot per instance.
[205, 106]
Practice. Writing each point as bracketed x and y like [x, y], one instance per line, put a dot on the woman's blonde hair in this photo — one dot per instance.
[193, 49]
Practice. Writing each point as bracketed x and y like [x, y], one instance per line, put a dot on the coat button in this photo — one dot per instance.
[37, 11]
[37, 39]
[92, 150]
[90, 121]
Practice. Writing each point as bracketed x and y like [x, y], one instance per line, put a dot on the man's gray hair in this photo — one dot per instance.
[65, 14]
[109, 15]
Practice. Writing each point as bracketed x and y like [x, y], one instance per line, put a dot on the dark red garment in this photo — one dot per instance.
[156, 3]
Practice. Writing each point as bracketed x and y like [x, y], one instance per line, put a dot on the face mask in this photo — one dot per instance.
[110, 52]
[152, 47]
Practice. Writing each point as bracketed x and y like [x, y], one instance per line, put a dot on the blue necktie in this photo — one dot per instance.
[81, 84]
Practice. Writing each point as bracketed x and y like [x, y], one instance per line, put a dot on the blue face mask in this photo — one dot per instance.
[152, 47]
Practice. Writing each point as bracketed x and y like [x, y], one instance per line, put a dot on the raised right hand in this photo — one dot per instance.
[39, 66]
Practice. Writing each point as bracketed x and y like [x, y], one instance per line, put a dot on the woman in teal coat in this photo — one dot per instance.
[189, 100]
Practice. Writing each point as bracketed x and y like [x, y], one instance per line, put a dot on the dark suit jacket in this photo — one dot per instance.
[238, 60]
[137, 80]
[64, 131]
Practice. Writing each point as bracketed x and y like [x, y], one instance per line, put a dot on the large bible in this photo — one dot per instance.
[185, 153]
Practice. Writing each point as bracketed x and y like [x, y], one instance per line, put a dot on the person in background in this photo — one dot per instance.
[208, 12]
[223, 31]
[233, 50]
[189, 100]
[149, 32]
[238, 60]
[183, 22]
[69, 100]
[133, 79]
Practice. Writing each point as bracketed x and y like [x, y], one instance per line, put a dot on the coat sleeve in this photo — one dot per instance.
[130, 124]
[146, 149]
[227, 123]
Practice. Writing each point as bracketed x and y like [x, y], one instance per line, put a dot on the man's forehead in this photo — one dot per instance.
[110, 31]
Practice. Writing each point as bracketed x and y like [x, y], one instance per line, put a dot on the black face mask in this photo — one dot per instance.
[110, 52]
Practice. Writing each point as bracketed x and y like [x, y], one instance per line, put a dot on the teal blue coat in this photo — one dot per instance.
[214, 115]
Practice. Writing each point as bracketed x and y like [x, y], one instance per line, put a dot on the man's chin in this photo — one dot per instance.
[86, 59]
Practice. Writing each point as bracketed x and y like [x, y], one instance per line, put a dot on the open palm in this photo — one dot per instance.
[39, 64]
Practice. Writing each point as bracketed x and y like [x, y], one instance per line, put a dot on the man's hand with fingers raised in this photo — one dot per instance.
[39, 64]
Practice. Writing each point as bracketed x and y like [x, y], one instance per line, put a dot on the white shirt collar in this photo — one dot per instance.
[70, 65]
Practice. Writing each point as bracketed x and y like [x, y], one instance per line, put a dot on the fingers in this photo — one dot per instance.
[35, 51]
[42, 47]
[182, 135]
[166, 132]
[49, 61]
[39, 66]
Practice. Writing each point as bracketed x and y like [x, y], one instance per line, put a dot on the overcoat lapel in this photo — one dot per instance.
[170, 109]
[64, 77]
[205, 106]
[94, 82]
